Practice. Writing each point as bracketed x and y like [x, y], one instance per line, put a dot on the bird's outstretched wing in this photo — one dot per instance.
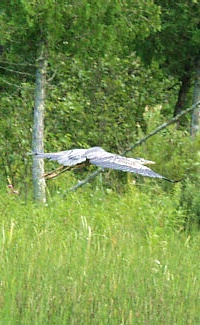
[112, 161]
[99, 157]
[67, 157]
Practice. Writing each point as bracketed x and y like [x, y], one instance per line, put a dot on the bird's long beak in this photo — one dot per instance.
[149, 162]
[146, 162]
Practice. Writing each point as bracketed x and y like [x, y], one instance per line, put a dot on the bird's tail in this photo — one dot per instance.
[172, 180]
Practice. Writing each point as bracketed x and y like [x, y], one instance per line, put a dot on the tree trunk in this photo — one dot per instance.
[196, 112]
[183, 91]
[38, 130]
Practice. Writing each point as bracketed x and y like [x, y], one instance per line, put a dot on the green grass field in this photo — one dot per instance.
[98, 258]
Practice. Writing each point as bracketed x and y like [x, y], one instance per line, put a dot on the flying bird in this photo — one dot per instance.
[77, 158]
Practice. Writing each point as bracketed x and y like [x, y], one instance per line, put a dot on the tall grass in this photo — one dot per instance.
[98, 258]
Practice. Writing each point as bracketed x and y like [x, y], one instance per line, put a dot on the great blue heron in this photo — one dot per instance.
[76, 158]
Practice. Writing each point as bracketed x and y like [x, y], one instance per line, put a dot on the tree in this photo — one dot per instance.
[176, 46]
[38, 129]
[82, 30]
[196, 111]
[31, 32]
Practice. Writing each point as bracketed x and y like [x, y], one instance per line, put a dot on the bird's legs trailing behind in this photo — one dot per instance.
[56, 172]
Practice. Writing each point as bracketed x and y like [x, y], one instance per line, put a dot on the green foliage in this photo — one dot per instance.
[98, 257]
[75, 35]
[91, 103]
[15, 134]
[176, 44]
[177, 156]
[190, 202]
[190, 194]
[98, 90]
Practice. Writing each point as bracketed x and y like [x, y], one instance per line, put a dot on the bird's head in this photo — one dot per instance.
[143, 161]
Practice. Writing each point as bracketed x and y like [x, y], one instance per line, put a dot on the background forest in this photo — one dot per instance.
[105, 73]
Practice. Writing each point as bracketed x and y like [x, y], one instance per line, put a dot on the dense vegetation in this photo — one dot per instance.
[99, 258]
[121, 249]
